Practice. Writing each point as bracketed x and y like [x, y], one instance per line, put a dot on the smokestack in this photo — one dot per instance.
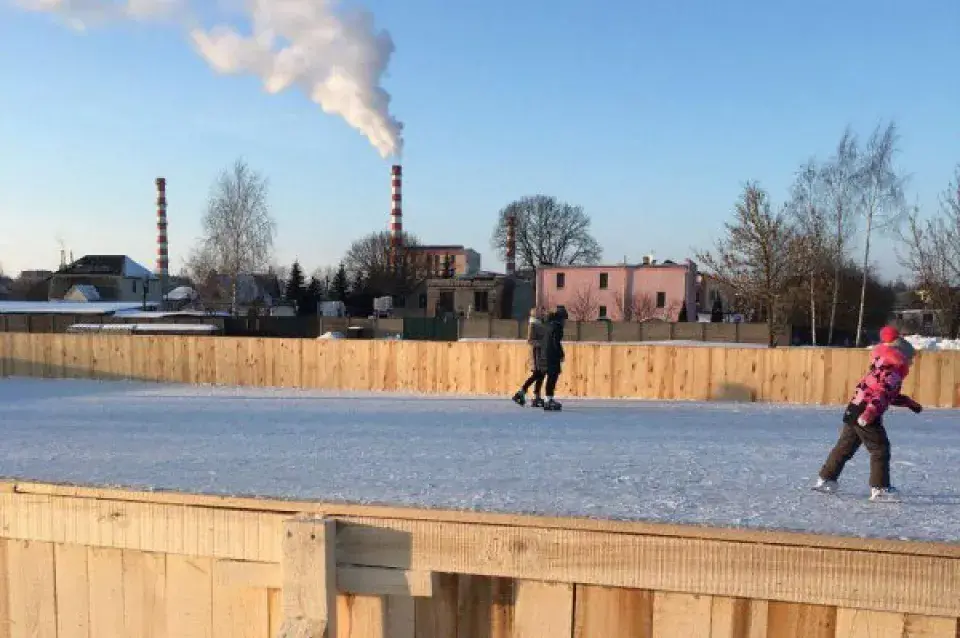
[511, 244]
[396, 214]
[163, 262]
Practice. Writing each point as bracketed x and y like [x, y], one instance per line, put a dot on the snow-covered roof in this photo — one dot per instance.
[69, 307]
[142, 327]
[182, 293]
[133, 269]
[82, 292]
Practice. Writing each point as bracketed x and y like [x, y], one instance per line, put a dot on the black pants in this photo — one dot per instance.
[536, 380]
[552, 383]
[874, 438]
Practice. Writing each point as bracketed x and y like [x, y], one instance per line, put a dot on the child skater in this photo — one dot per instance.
[535, 329]
[879, 388]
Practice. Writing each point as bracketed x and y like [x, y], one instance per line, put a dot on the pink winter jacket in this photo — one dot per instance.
[880, 387]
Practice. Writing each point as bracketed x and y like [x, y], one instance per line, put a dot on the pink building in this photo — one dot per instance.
[623, 292]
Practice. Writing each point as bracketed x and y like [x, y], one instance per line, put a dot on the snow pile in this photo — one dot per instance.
[746, 465]
[932, 343]
[331, 335]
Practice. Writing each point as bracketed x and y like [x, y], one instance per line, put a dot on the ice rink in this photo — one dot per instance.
[718, 464]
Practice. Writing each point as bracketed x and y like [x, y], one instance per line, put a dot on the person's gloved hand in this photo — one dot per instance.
[862, 422]
[915, 407]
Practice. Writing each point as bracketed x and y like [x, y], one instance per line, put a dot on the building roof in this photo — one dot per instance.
[116, 265]
[436, 247]
[662, 264]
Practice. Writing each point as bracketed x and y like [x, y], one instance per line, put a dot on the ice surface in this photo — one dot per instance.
[720, 464]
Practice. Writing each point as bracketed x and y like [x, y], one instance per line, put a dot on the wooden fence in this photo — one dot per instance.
[823, 376]
[794, 375]
[81, 562]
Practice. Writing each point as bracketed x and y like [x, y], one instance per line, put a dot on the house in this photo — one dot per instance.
[443, 260]
[621, 292]
[114, 278]
[710, 291]
[482, 294]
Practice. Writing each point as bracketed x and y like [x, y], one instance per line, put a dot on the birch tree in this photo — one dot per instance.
[839, 182]
[238, 229]
[880, 197]
[809, 213]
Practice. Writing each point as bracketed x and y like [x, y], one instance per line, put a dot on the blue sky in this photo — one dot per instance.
[651, 115]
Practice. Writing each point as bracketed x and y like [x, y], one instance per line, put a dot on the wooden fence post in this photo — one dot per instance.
[309, 567]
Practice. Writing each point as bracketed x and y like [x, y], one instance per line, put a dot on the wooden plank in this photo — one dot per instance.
[5, 627]
[275, 606]
[269, 511]
[485, 607]
[543, 610]
[105, 567]
[144, 594]
[374, 581]
[72, 590]
[930, 627]
[33, 612]
[358, 617]
[914, 584]
[189, 597]
[144, 526]
[738, 618]
[399, 617]
[613, 612]
[788, 620]
[240, 613]
[859, 623]
[437, 617]
[309, 578]
[687, 615]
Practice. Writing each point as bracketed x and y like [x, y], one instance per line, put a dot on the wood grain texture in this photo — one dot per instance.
[72, 591]
[32, 589]
[543, 610]
[144, 594]
[189, 597]
[610, 612]
[682, 615]
[105, 569]
[437, 617]
[5, 626]
[486, 607]
[787, 620]
[310, 579]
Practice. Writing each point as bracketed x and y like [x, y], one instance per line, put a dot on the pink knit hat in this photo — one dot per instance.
[889, 334]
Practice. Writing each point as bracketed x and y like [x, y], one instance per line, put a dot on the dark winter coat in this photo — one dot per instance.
[551, 348]
[535, 340]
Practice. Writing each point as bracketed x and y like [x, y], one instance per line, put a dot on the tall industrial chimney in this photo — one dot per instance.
[511, 244]
[396, 215]
[163, 260]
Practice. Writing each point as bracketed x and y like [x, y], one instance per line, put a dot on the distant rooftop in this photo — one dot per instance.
[117, 265]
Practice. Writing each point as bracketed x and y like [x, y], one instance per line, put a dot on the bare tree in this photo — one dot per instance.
[237, 227]
[623, 306]
[584, 306]
[757, 258]
[370, 258]
[880, 197]
[644, 307]
[548, 231]
[809, 215]
[933, 258]
[839, 182]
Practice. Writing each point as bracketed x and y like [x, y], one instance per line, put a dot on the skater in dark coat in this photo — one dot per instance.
[535, 330]
[863, 419]
[552, 356]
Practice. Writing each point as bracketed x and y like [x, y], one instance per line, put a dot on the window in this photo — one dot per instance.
[603, 312]
[661, 300]
[399, 301]
[134, 282]
[603, 281]
[422, 302]
[480, 300]
[561, 280]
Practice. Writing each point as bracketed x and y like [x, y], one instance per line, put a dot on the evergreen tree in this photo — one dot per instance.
[312, 297]
[683, 312]
[340, 286]
[295, 289]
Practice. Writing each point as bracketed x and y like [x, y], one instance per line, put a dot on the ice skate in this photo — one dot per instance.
[552, 406]
[826, 486]
[884, 494]
[537, 402]
[520, 398]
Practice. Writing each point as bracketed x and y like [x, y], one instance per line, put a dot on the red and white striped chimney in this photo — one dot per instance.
[511, 244]
[163, 260]
[396, 213]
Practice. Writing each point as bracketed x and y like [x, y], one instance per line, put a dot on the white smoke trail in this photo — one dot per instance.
[336, 57]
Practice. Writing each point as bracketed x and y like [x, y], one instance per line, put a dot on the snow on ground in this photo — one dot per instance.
[745, 465]
[932, 343]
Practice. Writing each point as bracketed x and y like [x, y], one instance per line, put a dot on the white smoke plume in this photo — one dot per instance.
[336, 56]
